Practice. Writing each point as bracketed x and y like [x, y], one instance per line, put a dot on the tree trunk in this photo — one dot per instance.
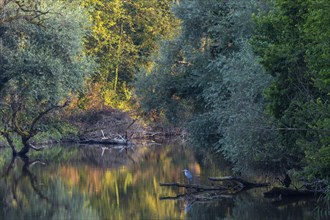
[26, 147]
[118, 58]
[11, 143]
[24, 150]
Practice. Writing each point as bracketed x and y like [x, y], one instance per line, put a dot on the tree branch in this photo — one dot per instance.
[16, 127]
[42, 114]
[31, 15]
[36, 148]
[196, 187]
[242, 183]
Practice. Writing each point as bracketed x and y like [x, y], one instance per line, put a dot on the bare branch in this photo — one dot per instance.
[16, 127]
[42, 114]
[36, 148]
[196, 187]
[242, 183]
[37, 162]
[22, 11]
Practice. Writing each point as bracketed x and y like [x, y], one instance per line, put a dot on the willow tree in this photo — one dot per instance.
[28, 10]
[43, 65]
[124, 35]
[209, 81]
[14, 11]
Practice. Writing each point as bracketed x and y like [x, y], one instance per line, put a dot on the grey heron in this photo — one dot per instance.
[188, 175]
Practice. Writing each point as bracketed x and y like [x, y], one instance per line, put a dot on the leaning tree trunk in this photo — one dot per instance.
[26, 146]
[10, 142]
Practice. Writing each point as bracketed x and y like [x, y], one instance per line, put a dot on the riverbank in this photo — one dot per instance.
[107, 125]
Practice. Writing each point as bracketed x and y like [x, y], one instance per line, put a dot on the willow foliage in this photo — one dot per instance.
[211, 72]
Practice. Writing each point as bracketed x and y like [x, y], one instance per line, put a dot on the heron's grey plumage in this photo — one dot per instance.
[188, 175]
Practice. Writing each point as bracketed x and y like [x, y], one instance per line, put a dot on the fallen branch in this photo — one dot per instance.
[103, 136]
[110, 142]
[154, 135]
[196, 187]
[202, 193]
[36, 148]
[242, 183]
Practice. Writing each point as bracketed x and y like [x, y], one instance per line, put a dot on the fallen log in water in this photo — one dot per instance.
[242, 183]
[195, 187]
[236, 185]
[229, 187]
[197, 197]
[110, 142]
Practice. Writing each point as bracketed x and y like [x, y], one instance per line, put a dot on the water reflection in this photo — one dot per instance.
[27, 195]
[87, 182]
[251, 205]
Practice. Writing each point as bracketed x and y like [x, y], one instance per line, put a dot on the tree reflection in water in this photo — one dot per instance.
[24, 195]
[91, 182]
[252, 205]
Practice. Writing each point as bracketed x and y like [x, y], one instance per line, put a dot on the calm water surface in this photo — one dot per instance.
[94, 183]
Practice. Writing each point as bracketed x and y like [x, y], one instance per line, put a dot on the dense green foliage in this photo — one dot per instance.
[124, 34]
[41, 66]
[292, 40]
[271, 110]
[209, 80]
[46, 50]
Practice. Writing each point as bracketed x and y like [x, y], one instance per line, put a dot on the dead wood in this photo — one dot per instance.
[110, 142]
[230, 186]
[195, 187]
[238, 181]
[173, 197]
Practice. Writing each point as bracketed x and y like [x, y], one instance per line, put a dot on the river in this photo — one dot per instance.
[91, 182]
